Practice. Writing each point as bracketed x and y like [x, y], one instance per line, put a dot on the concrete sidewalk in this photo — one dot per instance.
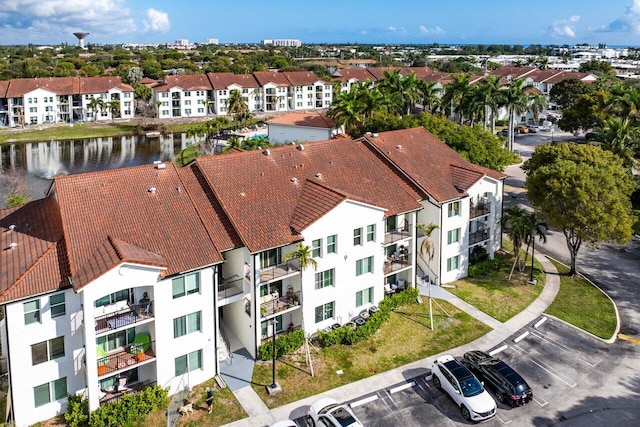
[260, 416]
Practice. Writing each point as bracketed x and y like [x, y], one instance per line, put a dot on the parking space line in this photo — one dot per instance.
[521, 337]
[562, 347]
[498, 350]
[542, 404]
[507, 421]
[402, 387]
[540, 322]
[364, 401]
[548, 368]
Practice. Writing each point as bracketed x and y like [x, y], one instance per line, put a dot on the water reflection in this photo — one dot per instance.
[38, 162]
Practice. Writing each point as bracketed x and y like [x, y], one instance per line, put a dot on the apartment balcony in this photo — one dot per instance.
[230, 287]
[274, 304]
[276, 272]
[395, 235]
[393, 264]
[125, 358]
[478, 236]
[134, 313]
[479, 209]
[116, 395]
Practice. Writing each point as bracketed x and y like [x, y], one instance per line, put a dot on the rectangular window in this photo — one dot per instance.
[371, 233]
[57, 305]
[188, 362]
[364, 265]
[357, 237]
[454, 209]
[31, 311]
[117, 340]
[364, 297]
[47, 350]
[453, 263]
[324, 312]
[42, 394]
[187, 102]
[271, 257]
[453, 236]
[187, 93]
[316, 248]
[325, 278]
[185, 285]
[184, 325]
[332, 244]
[124, 295]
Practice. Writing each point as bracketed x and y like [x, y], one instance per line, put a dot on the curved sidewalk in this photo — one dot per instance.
[259, 415]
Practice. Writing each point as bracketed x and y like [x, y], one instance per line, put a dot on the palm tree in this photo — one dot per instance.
[235, 104]
[94, 105]
[426, 246]
[113, 107]
[347, 110]
[620, 137]
[429, 95]
[625, 102]
[535, 227]
[515, 99]
[514, 220]
[455, 93]
[304, 256]
[537, 104]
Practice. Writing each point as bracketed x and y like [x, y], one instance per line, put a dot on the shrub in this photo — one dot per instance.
[483, 268]
[347, 335]
[502, 122]
[129, 409]
[284, 344]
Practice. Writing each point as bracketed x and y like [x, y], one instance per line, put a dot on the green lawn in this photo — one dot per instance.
[404, 338]
[583, 305]
[498, 296]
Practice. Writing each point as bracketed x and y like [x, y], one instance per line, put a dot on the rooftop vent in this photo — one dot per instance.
[368, 134]
[375, 135]
[152, 190]
[157, 162]
[12, 227]
[294, 179]
[161, 166]
[13, 245]
[318, 175]
[267, 152]
[399, 147]
[301, 147]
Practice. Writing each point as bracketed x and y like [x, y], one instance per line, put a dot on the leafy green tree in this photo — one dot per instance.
[515, 99]
[347, 110]
[583, 191]
[588, 112]
[567, 92]
[600, 68]
[235, 104]
[304, 256]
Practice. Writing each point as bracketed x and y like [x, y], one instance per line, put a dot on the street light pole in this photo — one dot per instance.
[273, 348]
[533, 252]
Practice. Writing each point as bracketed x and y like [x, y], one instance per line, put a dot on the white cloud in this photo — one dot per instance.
[629, 22]
[54, 20]
[423, 31]
[565, 27]
[156, 21]
[397, 30]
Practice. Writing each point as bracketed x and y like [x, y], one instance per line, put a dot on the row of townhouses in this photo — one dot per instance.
[128, 277]
[67, 99]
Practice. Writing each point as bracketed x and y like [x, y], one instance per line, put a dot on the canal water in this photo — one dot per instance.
[36, 163]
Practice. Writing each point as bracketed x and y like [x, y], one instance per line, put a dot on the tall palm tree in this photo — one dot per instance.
[514, 220]
[95, 105]
[410, 89]
[426, 248]
[235, 103]
[620, 137]
[515, 99]
[534, 227]
[113, 107]
[455, 93]
[537, 104]
[304, 256]
[429, 95]
[625, 102]
[347, 110]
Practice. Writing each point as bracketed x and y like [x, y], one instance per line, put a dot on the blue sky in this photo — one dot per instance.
[614, 22]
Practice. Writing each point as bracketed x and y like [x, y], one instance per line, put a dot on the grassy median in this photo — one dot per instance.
[583, 305]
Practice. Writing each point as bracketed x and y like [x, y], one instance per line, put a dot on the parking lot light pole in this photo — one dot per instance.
[273, 349]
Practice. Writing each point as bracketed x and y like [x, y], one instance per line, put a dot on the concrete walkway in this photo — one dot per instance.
[259, 415]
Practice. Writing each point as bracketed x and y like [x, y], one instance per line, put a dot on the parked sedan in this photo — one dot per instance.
[464, 388]
[508, 386]
[327, 412]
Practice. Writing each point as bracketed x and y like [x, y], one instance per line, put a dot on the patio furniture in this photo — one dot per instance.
[141, 343]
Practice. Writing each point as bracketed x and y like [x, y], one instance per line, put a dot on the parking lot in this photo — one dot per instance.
[560, 363]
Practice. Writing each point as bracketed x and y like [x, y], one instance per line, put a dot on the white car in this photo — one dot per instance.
[284, 423]
[475, 403]
[328, 412]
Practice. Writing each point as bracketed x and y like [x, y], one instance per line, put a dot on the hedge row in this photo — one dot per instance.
[129, 409]
[483, 268]
[346, 334]
[286, 343]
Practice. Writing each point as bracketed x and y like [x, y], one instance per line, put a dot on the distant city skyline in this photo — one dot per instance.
[52, 22]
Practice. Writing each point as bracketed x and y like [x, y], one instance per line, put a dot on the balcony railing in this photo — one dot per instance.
[478, 236]
[230, 287]
[479, 209]
[397, 234]
[125, 358]
[133, 314]
[272, 304]
[115, 396]
[392, 265]
[277, 271]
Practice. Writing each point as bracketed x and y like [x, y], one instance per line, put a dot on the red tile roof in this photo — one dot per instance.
[39, 250]
[224, 80]
[557, 78]
[542, 75]
[260, 193]
[185, 82]
[360, 74]
[314, 202]
[277, 78]
[304, 118]
[515, 72]
[90, 85]
[435, 167]
[378, 72]
[4, 85]
[146, 207]
[302, 78]
[66, 85]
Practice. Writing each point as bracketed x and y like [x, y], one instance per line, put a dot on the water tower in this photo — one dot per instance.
[81, 35]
